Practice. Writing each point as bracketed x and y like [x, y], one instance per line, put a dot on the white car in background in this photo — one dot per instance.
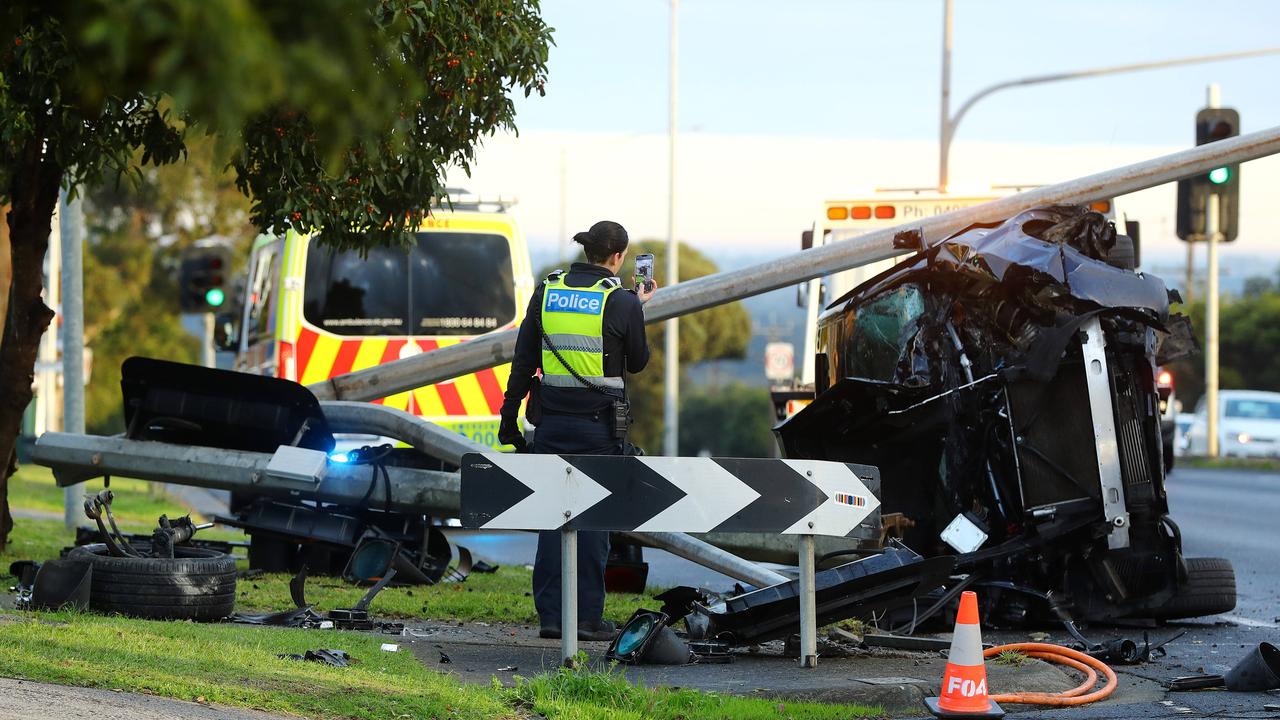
[1248, 425]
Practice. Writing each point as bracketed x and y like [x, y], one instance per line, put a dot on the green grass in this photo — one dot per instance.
[136, 502]
[235, 665]
[1230, 463]
[583, 695]
[503, 596]
[238, 665]
[37, 540]
[1012, 658]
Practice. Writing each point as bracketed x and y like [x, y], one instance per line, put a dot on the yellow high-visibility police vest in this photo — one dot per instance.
[573, 320]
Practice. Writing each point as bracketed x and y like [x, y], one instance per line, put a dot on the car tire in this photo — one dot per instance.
[1168, 456]
[197, 584]
[1210, 589]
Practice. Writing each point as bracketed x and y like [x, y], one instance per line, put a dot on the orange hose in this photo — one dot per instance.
[1081, 695]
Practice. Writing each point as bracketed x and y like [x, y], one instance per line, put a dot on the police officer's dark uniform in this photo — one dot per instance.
[598, 329]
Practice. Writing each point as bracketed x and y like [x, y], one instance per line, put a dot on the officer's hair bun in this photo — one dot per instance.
[603, 239]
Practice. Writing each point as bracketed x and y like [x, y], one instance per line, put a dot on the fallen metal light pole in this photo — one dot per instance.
[712, 290]
[76, 458]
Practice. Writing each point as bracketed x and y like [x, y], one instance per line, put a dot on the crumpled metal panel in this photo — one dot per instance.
[1055, 255]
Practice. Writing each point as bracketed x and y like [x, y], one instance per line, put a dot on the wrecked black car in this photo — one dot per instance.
[1003, 381]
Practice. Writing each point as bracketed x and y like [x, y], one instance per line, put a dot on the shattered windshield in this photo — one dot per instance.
[882, 327]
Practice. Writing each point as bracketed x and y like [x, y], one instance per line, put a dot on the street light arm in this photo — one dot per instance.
[949, 130]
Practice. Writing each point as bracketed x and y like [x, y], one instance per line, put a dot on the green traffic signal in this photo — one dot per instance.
[1218, 176]
[214, 297]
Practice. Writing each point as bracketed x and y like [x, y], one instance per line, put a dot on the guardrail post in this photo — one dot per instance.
[808, 606]
[568, 594]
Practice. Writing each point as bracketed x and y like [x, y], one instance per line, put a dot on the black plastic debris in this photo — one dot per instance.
[861, 588]
[335, 658]
[62, 585]
[303, 616]
[1257, 671]
[646, 639]
[25, 572]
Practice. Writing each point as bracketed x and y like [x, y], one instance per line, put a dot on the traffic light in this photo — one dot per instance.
[1212, 124]
[202, 280]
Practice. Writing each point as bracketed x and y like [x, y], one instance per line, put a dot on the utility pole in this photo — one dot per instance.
[947, 128]
[1191, 273]
[562, 242]
[948, 10]
[71, 231]
[1212, 219]
[671, 398]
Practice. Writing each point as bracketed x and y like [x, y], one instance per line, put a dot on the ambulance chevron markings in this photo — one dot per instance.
[665, 494]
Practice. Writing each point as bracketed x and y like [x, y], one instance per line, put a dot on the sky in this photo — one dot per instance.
[785, 103]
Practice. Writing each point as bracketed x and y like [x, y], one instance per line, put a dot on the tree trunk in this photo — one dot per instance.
[5, 270]
[33, 196]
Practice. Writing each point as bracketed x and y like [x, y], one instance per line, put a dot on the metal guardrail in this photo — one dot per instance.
[683, 298]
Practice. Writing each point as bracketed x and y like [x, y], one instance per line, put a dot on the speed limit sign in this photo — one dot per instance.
[779, 361]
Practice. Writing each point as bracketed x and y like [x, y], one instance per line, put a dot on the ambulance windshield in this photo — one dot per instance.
[448, 283]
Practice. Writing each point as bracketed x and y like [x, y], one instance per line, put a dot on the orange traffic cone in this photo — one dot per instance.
[964, 686]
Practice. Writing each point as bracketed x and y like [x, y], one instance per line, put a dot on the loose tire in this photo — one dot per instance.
[197, 584]
[1210, 589]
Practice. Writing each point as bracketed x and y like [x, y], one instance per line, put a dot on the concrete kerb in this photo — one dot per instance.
[894, 680]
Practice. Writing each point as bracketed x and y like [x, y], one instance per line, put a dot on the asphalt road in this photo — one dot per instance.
[1234, 514]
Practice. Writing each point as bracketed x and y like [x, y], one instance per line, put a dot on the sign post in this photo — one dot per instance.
[808, 606]
[568, 595]
[503, 491]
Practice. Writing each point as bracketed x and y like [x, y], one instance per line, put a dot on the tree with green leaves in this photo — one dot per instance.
[733, 420]
[718, 333]
[136, 234]
[1248, 343]
[333, 114]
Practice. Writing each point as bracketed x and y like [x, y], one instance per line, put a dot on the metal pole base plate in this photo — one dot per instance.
[995, 711]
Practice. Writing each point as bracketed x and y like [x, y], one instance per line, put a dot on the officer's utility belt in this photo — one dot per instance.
[621, 408]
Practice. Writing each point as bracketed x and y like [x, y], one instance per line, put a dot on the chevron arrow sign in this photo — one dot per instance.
[502, 491]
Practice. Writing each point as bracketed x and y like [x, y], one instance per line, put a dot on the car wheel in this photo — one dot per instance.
[1210, 589]
[198, 584]
[1168, 456]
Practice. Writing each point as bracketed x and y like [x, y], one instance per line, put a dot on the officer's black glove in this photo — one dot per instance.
[509, 434]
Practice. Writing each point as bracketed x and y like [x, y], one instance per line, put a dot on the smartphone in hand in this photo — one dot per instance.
[644, 271]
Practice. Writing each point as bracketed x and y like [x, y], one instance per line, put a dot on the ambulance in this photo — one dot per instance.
[311, 313]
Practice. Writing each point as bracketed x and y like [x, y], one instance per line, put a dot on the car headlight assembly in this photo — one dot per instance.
[646, 639]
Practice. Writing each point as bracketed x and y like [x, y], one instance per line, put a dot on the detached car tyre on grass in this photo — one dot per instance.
[197, 584]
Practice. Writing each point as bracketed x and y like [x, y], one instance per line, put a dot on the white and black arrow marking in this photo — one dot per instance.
[665, 494]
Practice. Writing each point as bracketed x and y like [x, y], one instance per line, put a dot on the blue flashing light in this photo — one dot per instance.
[339, 457]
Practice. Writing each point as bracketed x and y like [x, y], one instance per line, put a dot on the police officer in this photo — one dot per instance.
[584, 331]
